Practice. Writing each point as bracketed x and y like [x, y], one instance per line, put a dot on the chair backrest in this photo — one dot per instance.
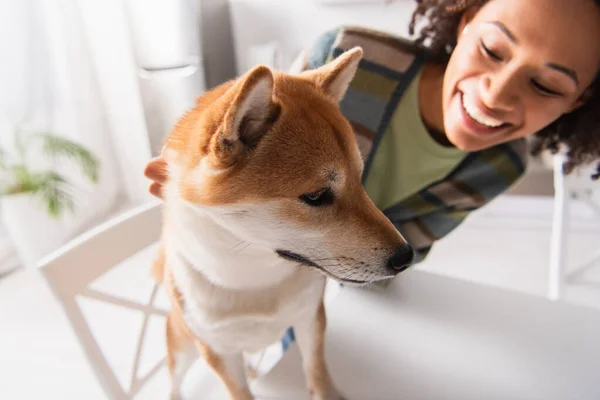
[72, 270]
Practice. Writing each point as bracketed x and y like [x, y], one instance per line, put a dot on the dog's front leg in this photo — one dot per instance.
[231, 369]
[310, 336]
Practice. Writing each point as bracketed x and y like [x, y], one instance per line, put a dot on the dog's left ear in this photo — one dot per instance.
[249, 116]
[335, 76]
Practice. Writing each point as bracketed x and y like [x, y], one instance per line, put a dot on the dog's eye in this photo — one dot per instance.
[316, 199]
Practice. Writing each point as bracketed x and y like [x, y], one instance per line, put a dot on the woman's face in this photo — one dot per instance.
[518, 66]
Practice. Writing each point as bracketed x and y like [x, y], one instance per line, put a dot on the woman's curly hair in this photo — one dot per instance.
[579, 130]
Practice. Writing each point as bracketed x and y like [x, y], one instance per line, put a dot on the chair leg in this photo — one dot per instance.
[560, 222]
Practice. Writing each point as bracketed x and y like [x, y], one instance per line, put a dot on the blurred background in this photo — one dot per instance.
[100, 83]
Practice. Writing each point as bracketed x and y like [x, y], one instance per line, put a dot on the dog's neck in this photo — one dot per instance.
[218, 253]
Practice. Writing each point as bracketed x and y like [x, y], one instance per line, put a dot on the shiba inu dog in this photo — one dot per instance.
[263, 202]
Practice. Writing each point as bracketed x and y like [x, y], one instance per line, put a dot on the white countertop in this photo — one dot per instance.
[431, 337]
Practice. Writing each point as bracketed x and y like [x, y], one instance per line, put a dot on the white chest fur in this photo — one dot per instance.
[240, 300]
[231, 321]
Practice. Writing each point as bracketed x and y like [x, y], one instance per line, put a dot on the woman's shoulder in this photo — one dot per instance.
[375, 44]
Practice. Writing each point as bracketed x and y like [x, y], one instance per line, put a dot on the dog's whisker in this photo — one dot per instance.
[332, 263]
[346, 274]
[329, 265]
[329, 259]
[243, 248]
[240, 243]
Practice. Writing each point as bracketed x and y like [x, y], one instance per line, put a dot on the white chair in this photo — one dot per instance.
[71, 270]
[576, 186]
[73, 273]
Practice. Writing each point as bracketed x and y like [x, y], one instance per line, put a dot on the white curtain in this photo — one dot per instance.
[67, 67]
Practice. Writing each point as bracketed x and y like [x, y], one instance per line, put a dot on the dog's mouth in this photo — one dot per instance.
[290, 256]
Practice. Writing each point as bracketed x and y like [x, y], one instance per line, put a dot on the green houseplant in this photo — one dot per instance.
[38, 191]
[50, 188]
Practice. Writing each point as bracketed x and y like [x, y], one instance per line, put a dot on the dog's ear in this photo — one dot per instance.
[335, 76]
[249, 116]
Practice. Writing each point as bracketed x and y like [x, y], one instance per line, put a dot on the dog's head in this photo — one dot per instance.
[271, 158]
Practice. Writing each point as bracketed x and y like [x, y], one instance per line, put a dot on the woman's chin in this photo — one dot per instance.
[465, 142]
[469, 142]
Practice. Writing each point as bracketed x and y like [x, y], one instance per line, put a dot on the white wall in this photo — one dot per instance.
[217, 41]
[295, 24]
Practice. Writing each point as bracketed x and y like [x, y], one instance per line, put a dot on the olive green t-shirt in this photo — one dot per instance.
[408, 158]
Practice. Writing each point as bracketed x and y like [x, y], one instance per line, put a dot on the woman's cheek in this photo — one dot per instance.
[538, 114]
[468, 62]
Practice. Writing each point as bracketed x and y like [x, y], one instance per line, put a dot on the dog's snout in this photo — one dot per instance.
[402, 258]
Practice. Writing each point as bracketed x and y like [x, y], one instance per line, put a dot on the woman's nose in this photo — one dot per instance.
[499, 91]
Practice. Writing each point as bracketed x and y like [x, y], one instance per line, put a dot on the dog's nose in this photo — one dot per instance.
[402, 258]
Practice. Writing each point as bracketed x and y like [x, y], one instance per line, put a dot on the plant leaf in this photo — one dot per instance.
[53, 191]
[57, 146]
[49, 187]
[23, 181]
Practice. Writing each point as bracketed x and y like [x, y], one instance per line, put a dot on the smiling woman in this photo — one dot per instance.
[514, 68]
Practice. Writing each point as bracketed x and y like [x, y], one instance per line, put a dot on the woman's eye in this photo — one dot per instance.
[489, 52]
[544, 90]
[316, 199]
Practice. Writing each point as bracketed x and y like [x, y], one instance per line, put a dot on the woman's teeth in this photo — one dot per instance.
[477, 115]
